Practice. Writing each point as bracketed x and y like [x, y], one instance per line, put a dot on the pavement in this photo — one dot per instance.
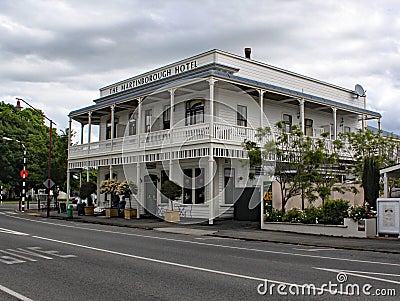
[242, 230]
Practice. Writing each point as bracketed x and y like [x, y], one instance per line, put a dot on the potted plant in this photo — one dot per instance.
[172, 191]
[85, 192]
[128, 188]
[110, 186]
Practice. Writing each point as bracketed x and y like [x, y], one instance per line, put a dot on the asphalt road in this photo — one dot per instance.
[44, 259]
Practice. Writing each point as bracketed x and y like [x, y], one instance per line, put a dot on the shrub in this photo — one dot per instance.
[86, 190]
[359, 212]
[274, 216]
[334, 212]
[293, 216]
[312, 215]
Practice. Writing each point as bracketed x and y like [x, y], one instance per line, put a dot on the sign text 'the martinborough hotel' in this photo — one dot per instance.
[148, 78]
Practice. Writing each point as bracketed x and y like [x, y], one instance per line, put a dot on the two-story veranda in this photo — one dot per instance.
[186, 122]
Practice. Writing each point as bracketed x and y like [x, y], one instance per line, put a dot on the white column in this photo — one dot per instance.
[139, 120]
[89, 128]
[89, 140]
[112, 123]
[334, 110]
[171, 110]
[385, 186]
[68, 185]
[301, 107]
[211, 157]
[261, 98]
[139, 185]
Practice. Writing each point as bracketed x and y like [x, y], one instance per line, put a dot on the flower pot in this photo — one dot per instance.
[172, 216]
[130, 213]
[111, 212]
[89, 210]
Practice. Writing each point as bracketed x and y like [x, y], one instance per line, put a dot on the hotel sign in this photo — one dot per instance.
[149, 77]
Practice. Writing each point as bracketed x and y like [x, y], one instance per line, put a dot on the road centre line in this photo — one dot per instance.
[180, 265]
[14, 294]
[357, 274]
[217, 245]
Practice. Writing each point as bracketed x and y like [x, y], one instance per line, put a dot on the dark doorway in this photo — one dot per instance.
[150, 194]
[248, 206]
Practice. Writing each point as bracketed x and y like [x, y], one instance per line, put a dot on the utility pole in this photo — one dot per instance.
[50, 151]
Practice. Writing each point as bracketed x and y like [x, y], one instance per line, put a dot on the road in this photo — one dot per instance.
[45, 259]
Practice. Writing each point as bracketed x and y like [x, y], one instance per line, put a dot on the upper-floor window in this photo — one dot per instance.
[347, 129]
[287, 119]
[147, 120]
[308, 127]
[166, 117]
[132, 125]
[109, 129]
[241, 118]
[194, 111]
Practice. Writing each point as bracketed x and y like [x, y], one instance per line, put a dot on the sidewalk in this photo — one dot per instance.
[238, 230]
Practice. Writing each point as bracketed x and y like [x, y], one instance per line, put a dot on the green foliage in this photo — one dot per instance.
[334, 211]
[370, 180]
[127, 188]
[28, 126]
[172, 191]
[312, 215]
[359, 212]
[109, 186]
[86, 191]
[274, 216]
[293, 216]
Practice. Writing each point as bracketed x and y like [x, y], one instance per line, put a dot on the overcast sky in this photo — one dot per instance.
[57, 54]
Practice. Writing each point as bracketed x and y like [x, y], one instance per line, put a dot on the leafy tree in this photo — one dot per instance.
[370, 180]
[172, 191]
[371, 151]
[28, 126]
[86, 191]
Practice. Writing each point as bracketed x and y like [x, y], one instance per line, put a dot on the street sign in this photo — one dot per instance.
[23, 173]
[46, 183]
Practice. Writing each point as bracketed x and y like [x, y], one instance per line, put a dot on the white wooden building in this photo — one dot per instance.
[186, 121]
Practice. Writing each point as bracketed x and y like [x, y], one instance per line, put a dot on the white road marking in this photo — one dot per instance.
[14, 294]
[215, 245]
[8, 231]
[315, 250]
[358, 274]
[180, 265]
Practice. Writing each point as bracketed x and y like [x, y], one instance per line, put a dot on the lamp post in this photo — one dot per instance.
[23, 174]
[50, 151]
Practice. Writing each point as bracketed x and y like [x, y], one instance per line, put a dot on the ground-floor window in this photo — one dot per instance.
[193, 186]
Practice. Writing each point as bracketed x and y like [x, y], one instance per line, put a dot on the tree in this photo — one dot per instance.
[28, 126]
[172, 191]
[111, 186]
[370, 152]
[370, 180]
[86, 191]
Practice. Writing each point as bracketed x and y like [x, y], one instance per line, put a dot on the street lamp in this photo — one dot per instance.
[50, 150]
[23, 174]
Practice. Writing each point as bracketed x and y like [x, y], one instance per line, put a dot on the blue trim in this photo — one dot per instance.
[241, 80]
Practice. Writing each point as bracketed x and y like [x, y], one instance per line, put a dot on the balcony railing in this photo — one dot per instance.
[228, 134]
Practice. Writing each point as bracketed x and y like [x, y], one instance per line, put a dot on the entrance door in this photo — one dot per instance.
[150, 194]
[229, 185]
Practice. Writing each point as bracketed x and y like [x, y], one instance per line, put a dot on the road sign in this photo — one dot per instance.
[47, 182]
[23, 173]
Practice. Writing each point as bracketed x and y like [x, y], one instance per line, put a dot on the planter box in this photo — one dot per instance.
[111, 212]
[130, 213]
[351, 228]
[89, 210]
[172, 216]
